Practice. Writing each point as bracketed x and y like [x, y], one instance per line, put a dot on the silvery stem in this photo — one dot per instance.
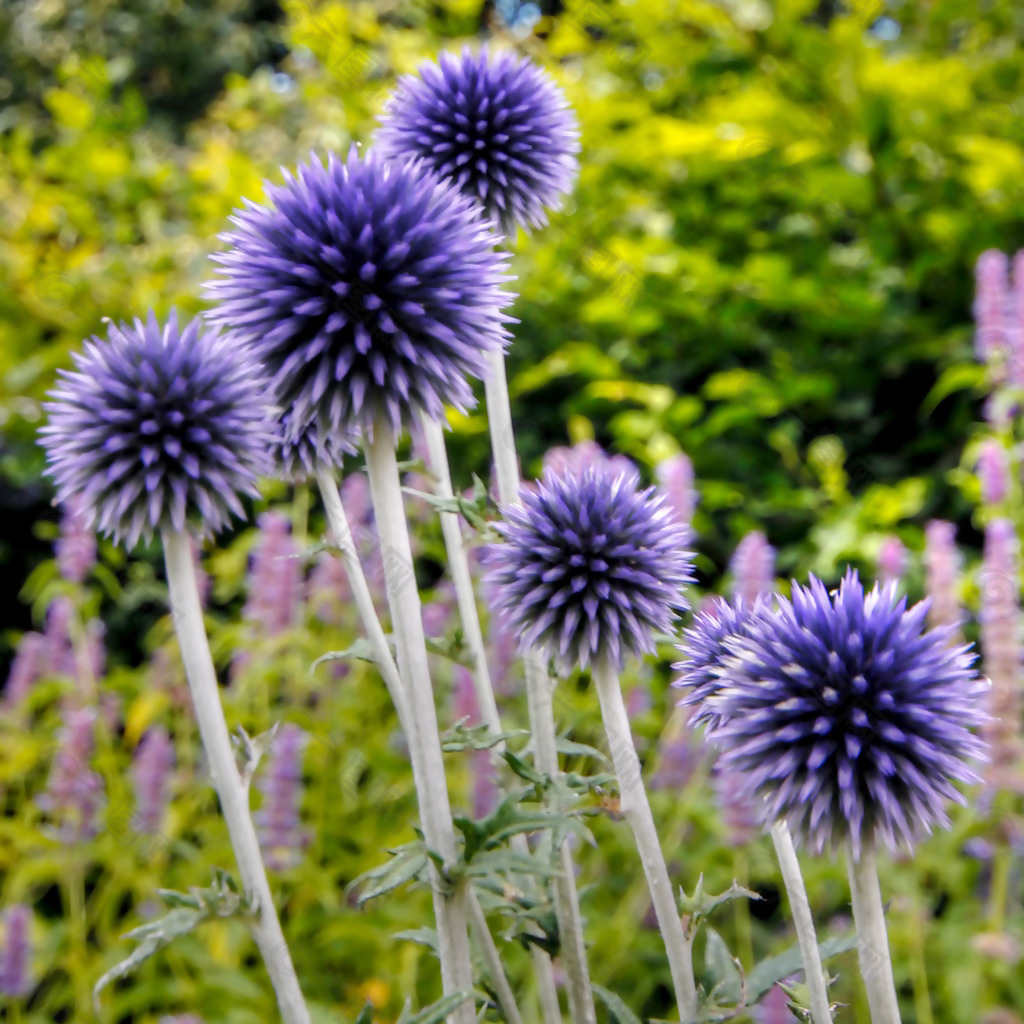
[872, 939]
[542, 720]
[821, 1012]
[234, 799]
[428, 763]
[458, 561]
[637, 811]
[342, 537]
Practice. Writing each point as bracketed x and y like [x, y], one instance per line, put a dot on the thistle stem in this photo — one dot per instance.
[469, 615]
[542, 721]
[637, 810]
[872, 939]
[234, 798]
[342, 537]
[428, 763]
[800, 907]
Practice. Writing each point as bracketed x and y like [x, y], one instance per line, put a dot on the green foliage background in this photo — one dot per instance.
[767, 263]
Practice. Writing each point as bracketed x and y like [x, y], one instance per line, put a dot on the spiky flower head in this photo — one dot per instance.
[591, 566]
[156, 426]
[849, 719]
[493, 123]
[365, 287]
[704, 667]
[295, 453]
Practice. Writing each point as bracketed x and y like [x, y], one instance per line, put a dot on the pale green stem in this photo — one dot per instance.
[542, 721]
[187, 615]
[341, 535]
[469, 614]
[872, 939]
[637, 810]
[800, 908]
[423, 735]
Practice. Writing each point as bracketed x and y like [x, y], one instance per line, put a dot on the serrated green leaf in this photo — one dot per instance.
[436, 1012]
[726, 979]
[361, 650]
[773, 970]
[421, 936]
[407, 862]
[573, 749]
[617, 1009]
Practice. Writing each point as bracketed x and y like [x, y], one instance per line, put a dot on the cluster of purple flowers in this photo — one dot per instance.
[279, 819]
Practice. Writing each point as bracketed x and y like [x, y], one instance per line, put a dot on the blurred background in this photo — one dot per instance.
[768, 264]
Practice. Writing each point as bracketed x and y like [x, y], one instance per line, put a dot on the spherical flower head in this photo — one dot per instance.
[848, 718]
[705, 665]
[493, 123]
[156, 426]
[364, 287]
[295, 453]
[591, 566]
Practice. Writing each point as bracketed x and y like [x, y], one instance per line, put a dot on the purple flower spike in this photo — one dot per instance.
[152, 765]
[774, 1008]
[275, 579]
[28, 667]
[591, 566]
[847, 718]
[734, 802]
[892, 560]
[15, 979]
[157, 425]
[73, 793]
[582, 455]
[76, 545]
[493, 123]
[675, 475]
[992, 472]
[942, 567]
[278, 820]
[364, 287]
[707, 658]
[753, 567]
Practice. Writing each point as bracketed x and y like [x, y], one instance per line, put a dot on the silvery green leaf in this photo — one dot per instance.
[618, 1011]
[775, 969]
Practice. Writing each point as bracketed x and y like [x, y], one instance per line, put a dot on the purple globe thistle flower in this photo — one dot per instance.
[366, 288]
[707, 659]
[848, 719]
[992, 472]
[676, 476]
[76, 545]
[753, 567]
[15, 979]
[493, 123]
[942, 567]
[892, 560]
[278, 820]
[155, 426]
[591, 566]
[295, 453]
[151, 768]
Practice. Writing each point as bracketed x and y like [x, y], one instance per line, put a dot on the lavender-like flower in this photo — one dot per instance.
[28, 667]
[364, 287]
[738, 812]
[707, 658]
[942, 566]
[275, 577]
[73, 793]
[580, 456]
[992, 305]
[753, 567]
[679, 753]
[774, 1008]
[591, 566]
[157, 425]
[15, 978]
[493, 123]
[892, 560]
[1000, 644]
[151, 768]
[849, 720]
[992, 472]
[76, 545]
[278, 820]
[675, 474]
